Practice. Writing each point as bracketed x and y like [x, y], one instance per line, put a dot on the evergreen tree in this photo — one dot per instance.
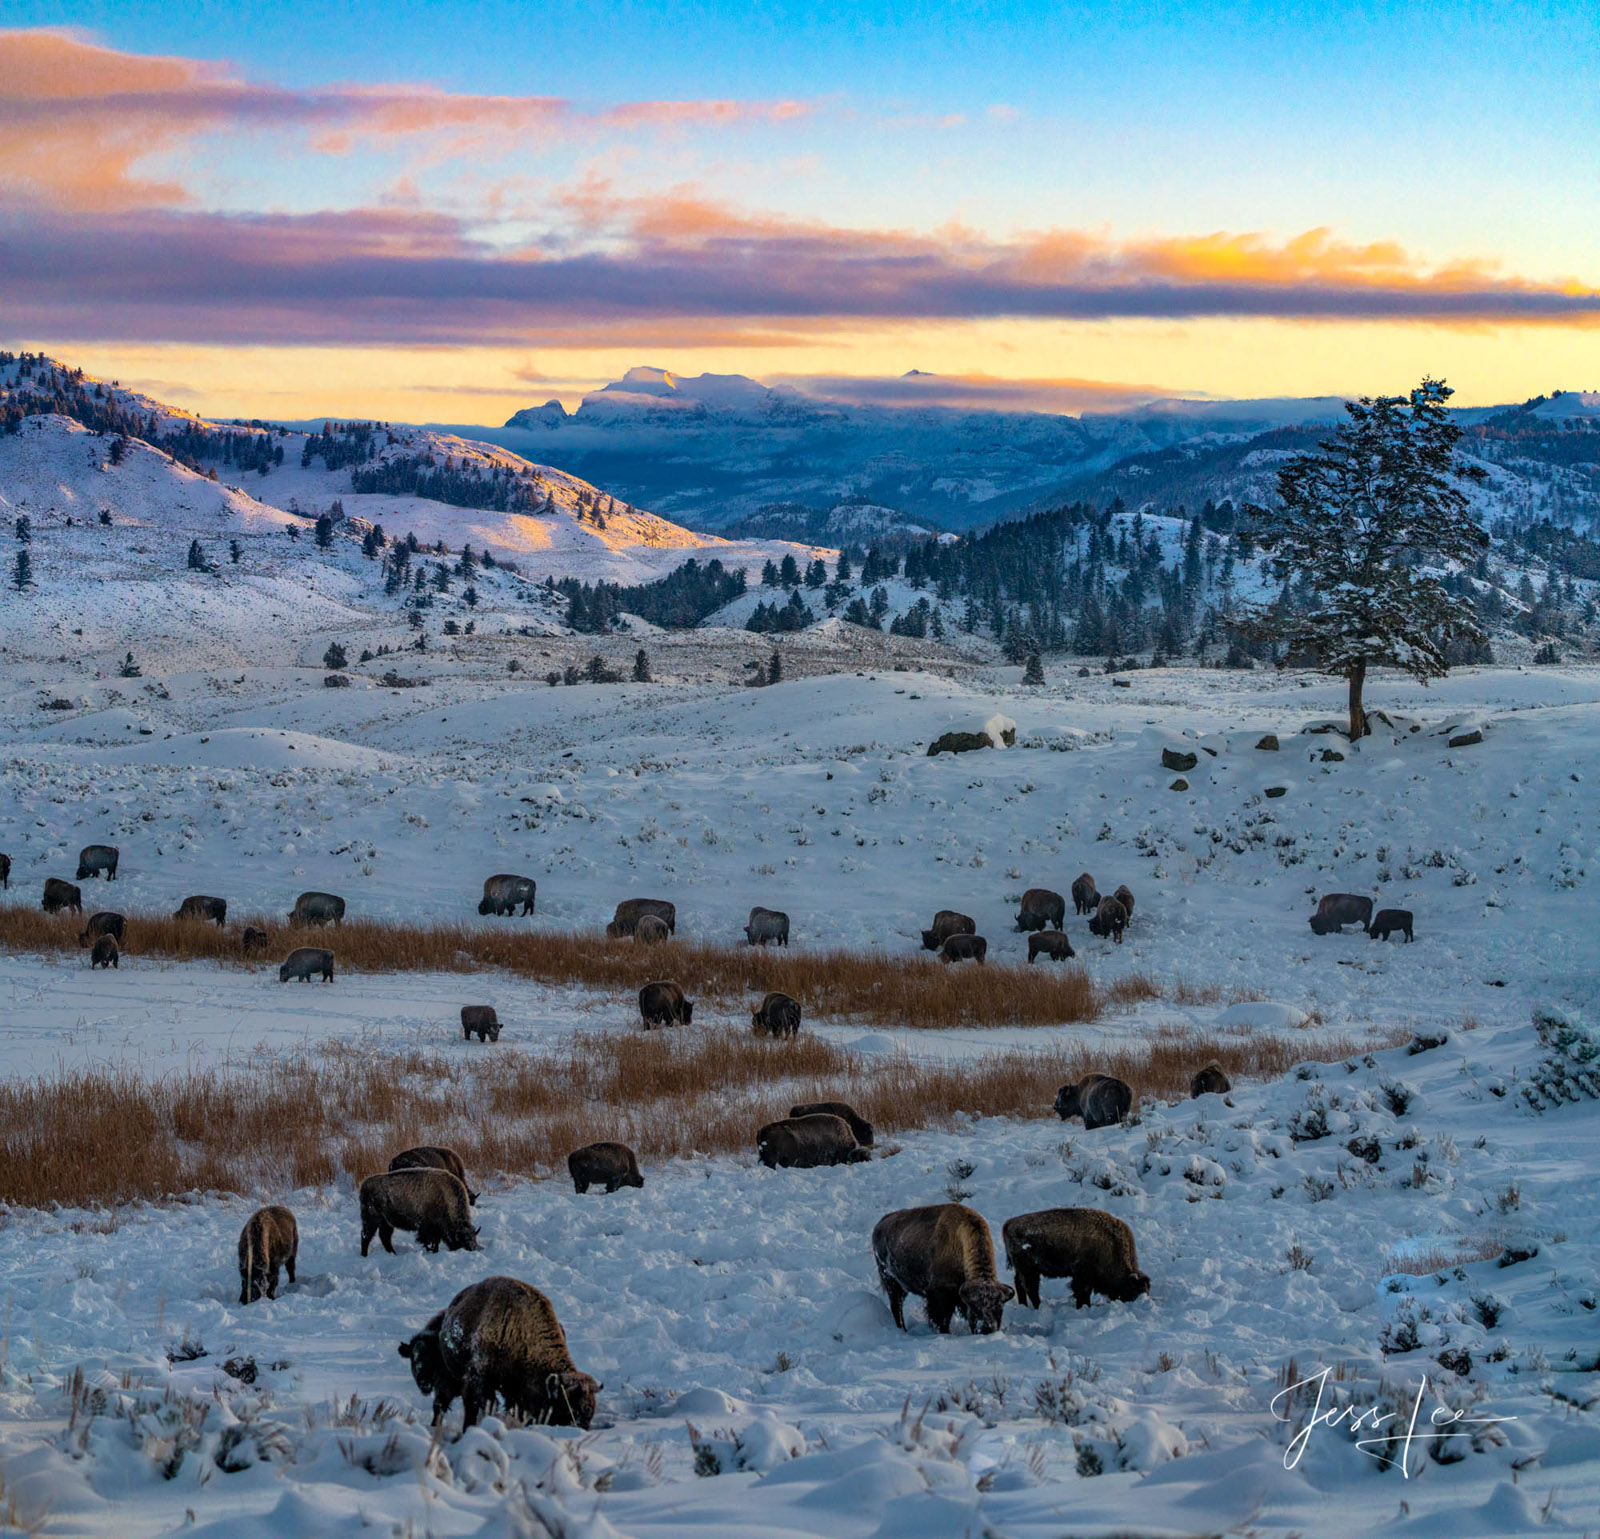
[119, 449]
[22, 570]
[775, 670]
[1034, 674]
[816, 574]
[471, 596]
[789, 573]
[197, 557]
[641, 667]
[334, 658]
[24, 528]
[1362, 524]
[235, 552]
[841, 573]
[769, 575]
[324, 531]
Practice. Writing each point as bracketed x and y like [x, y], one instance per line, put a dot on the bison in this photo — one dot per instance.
[105, 954]
[317, 908]
[1041, 908]
[651, 930]
[1338, 909]
[200, 907]
[98, 860]
[1085, 899]
[59, 895]
[5, 872]
[482, 1020]
[1094, 1249]
[252, 940]
[1109, 921]
[103, 923]
[305, 961]
[604, 1164]
[269, 1240]
[803, 1143]
[434, 1157]
[766, 925]
[1388, 920]
[858, 1125]
[964, 948]
[632, 910]
[499, 1339]
[430, 1202]
[1124, 896]
[947, 922]
[1099, 1099]
[1050, 943]
[502, 894]
[663, 1004]
[945, 1254]
[777, 1016]
[1210, 1081]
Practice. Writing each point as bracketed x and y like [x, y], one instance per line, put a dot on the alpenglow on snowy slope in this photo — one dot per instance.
[524, 1017]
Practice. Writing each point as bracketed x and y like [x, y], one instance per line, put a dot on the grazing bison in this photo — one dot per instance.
[1338, 909]
[103, 923]
[5, 872]
[803, 1143]
[482, 1020]
[317, 908]
[59, 895]
[98, 860]
[947, 922]
[766, 925]
[632, 910]
[305, 961]
[663, 1004]
[1125, 897]
[651, 931]
[964, 948]
[433, 1157]
[858, 1125]
[605, 1164]
[199, 907]
[269, 1240]
[1085, 899]
[1041, 908]
[777, 1016]
[105, 953]
[943, 1253]
[431, 1202]
[1099, 1099]
[502, 894]
[1050, 943]
[1110, 919]
[499, 1339]
[252, 940]
[1210, 1081]
[1094, 1249]
[1388, 920]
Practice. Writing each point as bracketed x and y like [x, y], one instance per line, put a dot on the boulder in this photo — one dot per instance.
[1268, 743]
[1332, 756]
[959, 742]
[1466, 739]
[1173, 759]
[1277, 791]
[1180, 784]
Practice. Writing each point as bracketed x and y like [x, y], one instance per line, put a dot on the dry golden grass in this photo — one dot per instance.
[91, 1138]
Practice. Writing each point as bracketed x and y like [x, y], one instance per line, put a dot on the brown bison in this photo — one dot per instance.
[500, 1340]
[947, 922]
[1388, 920]
[1050, 943]
[943, 1253]
[98, 860]
[1099, 1099]
[605, 1164]
[480, 1020]
[201, 907]
[434, 1157]
[1124, 896]
[103, 923]
[105, 954]
[252, 940]
[804, 1143]
[1094, 1249]
[1210, 1081]
[858, 1125]
[59, 895]
[777, 1016]
[964, 948]
[317, 908]
[766, 926]
[663, 1004]
[502, 894]
[629, 912]
[1085, 899]
[5, 872]
[1110, 919]
[269, 1240]
[1041, 908]
[306, 962]
[651, 930]
[432, 1203]
[1338, 909]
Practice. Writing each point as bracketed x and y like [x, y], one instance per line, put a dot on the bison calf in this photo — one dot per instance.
[1085, 899]
[605, 1164]
[433, 1157]
[1050, 943]
[1210, 1081]
[947, 922]
[499, 1339]
[270, 1240]
[103, 924]
[1094, 1249]
[1040, 909]
[945, 1254]
[631, 910]
[964, 948]
[252, 940]
[304, 962]
[1388, 920]
[1098, 1098]
[105, 954]
[1339, 909]
[663, 1004]
[777, 1016]
[430, 1203]
[804, 1143]
[651, 930]
[482, 1020]
[858, 1125]
[201, 907]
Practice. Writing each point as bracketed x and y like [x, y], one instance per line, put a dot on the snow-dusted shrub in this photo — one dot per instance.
[1570, 1068]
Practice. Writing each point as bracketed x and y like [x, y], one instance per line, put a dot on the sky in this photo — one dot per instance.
[446, 212]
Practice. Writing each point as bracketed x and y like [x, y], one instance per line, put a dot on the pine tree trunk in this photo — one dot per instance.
[1358, 715]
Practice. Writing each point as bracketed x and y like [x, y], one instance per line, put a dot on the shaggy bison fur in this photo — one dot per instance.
[502, 894]
[1085, 897]
[199, 906]
[1094, 1249]
[1050, 943]
[943, 1253]
[104, 923]
[777, 1015]
[608, 1165]
[1099, 1099]
[98, 860]
[306, 962]
[1109, 921]
[651, 930]
[767, 925]
[252, 940]
[317, 908]
[629, 912]
[433, 1157]
[947, 922]
[1041, 908]
[803, 1143]
[480, 1020]
[270, 1240]
[1338, 909]
[59, 895]
[858, 1125]
[964, 948]
[663, 1004]
[105, 954]
[432, 1204]
[1210, 1081]
[1388, 920]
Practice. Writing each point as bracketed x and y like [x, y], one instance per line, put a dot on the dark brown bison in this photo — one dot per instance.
[1094, 1249]
[1210, 1081]
[98, 860]
[858, 1125]
[480, 1020]
[605, 1164]
[103, 923]
[777, 1016]
[270, 1240]
[663, 1004]
[1099, 1099]
[1109, 921]
[502, 894]
[59, 895]
[803, 1143]
[1338, 909]
[317, 908]
[306, 962]
[5, 872]
[651, 930]
[105, 953]
[944, 1254]
[500, 1340]
[947, 922]
[252, 940]
[434, 1157]
[964, 948]
[1124, 896]
[1041, 908]
[1050, 943]
[200, 907]
[632, 910]
[1085, 899]
[1388, 920]
[766, 926]
[432, 1203]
